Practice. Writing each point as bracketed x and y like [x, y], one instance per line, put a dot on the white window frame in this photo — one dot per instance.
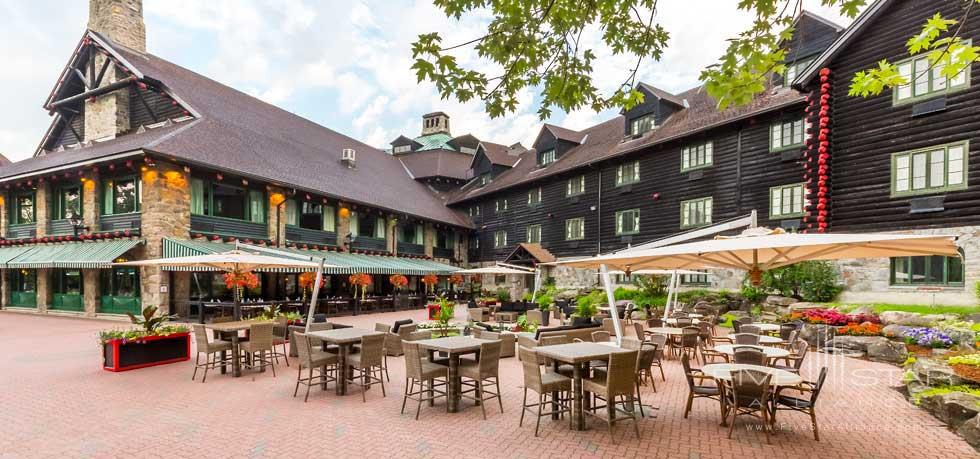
[546, 157]
[907, 180]
[575, 186]
[624, 177]
[779, 131]
[621, 218]
[690, 210]
[643, 124]
[533, 230]
[499, 239]
[573, 226]
[534, 197]
[697, 156]
[796, 194]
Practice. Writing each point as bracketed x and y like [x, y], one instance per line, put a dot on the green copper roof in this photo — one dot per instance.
[435, 142]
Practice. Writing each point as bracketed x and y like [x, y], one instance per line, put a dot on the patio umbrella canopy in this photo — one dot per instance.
[495, 270]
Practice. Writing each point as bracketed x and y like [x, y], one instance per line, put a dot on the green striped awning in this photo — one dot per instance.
[76, 255]
[9, 253]
[347, 263]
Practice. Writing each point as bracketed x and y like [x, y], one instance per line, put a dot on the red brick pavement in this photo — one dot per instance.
[55, 400]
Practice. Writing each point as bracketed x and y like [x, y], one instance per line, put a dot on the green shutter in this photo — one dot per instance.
[292, 216]
[354, 225]
[197, 196]
[107, 207]
[419, 239]
[329, 219]
[256, 206]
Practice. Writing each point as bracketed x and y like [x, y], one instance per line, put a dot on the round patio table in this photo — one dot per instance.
[674, 321]
[723, 372]
[664, 331]
[764, 340]
[771, 352]
[766, 328]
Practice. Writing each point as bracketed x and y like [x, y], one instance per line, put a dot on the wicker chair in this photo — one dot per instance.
[601, 336]
[803, 405]
[737, 325]
[280, 337]
[619, 383]
[688, 342]
[638, 331]
[709, 354]
[795, 359]
[785, 330]
[608, 326]
[683, 322]
[258, 349]
[212, 352]
[749, 356]
[564, 368]
[318, 364]
[420, 372]
[696, 388]
[793, 336]
[386, 329]
[744, 338]
[546, 385]
[478, 314]
[660, 345]
[482, 374]
[656, 322]
[646, 352]
[367, 366]
[750, 329]
[749, 395]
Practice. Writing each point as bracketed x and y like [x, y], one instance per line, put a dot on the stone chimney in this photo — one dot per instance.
[121, 21]
[434, 123]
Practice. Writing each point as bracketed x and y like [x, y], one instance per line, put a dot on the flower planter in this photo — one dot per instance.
[433, 311]
[123, 355]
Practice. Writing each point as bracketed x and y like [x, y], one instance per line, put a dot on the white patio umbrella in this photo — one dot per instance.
[760, 249]
[497, 269]
[234, 261]
[674, 283]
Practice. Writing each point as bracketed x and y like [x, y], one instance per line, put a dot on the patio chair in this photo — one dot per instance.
[628, 313]
[684, 322]
[794, 360]
[678, 315]
[750, 329]
[280, 337]
[478, 314]
[749, 356]
[608, 326]
[660, 344]
[688, 342]
[710, 355]
[212, 351]
[646, 352]
[744, 338]
[638, 331]
[420, 372]
[563, 368]
[749, 396]
[616, 388]
[737, 326]
[705, 331]
[386, 329]
[258, 349]
[656, 322]
[696, 388]
[318, 364]
[481, 375]
[803, 405]
[546, 385]
[601, 336]
[785, 330]
[367, 366]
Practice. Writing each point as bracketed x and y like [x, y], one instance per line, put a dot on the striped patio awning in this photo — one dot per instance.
[9, 253]
[78, 255]
[349, 263]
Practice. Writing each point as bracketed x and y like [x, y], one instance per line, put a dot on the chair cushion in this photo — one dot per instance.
[399, 323]
[551, 382]
[219, 345]
[793, 402]
[705, 390]
[320, 358]
[434, 370]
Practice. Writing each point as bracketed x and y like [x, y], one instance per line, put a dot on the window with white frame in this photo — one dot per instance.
[696, 212]
[930, 170]
[499, 238]
[628, 173]
[575, 229]
[794, 69]
[484, 178]
[576, 186]
[534, 197]
[402, 149]
[534, 234]
[786, 134]
[475, 211]
[642, 124]
[787, 201]
[696, 156]
[926, 80]
[546, 157]
[500, 205]
[628, 222]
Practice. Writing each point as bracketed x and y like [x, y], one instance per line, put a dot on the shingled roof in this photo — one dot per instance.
[604, 141]
[242, 134]
[501, 154]
[437, 163]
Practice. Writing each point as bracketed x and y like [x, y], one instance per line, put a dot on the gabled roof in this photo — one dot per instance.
[605, 140]
[852, 32]
[535, 251]
[3, 160]
[501, 155]
[238, 133]
[565, 134]
[663, 95]
[437, 163]
[401, 140]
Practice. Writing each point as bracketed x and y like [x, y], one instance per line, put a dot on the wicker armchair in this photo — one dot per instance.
[432, 379]
[408, 332]
[215, 352]
[660, 345]
[697, 389]
[280, 337]
[546, 385]
[386, 329]
[478, 314]
[750, 329]
[321, 366]
[803, 405]
[617, 387]
[749, 356]
[482, 375]
[749, 396]
[367, 366]
[744, 338]
[258, 349]
[601, 336]
[794, 360]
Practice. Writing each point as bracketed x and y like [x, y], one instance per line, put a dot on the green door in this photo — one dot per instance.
[67, 290]
[23, 290]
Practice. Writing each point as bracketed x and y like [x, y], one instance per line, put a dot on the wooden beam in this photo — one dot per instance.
[73, 131]
[105, 66]
[142, 99]
[81, 76]
[95, 92]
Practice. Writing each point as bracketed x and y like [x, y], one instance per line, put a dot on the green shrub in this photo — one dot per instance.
[726, 320]
[976, 290]
[969, 359]
[815, 281]
[503, 294]
[940, 390]
[752, 294]
[587, 305]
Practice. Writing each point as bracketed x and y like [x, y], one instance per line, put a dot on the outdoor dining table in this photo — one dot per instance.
[233, 328]
[345, 339]
[670, 331]
[578, 355]
[673, 321]
[766, 328]
[722, 372]
[764, 340]
[454, 346]
[771, 352]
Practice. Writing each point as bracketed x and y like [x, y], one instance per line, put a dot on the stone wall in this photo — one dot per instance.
[44, 289]
[42, 206]
[120, 20]
[92, 290]
[429, 239]
[166, 213]
[343, 228]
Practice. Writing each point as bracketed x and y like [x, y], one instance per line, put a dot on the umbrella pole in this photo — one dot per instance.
[671, 293]
[611, 298]
[537, 282]
[316, 294]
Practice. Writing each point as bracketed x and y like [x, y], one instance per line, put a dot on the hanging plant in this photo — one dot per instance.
[456, 280]
[430, 281]
[306, 281]
[362, 281]
[240, 280]
[398, 281]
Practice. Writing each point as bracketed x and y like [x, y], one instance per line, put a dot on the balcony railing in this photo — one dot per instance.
[229, 227]
[310, 236]
[410, 248]
[369, 243]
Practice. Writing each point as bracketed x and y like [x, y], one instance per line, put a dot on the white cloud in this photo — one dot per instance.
[344, 64]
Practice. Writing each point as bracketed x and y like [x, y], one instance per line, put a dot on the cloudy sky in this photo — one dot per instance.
[344, 64]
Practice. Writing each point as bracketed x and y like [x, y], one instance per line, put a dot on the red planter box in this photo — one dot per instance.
[433, 310]
[122, 355]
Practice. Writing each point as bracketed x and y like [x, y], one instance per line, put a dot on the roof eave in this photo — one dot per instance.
[802, 80]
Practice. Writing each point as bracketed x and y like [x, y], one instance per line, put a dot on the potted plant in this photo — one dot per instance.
[152, 344]
[397, 281]
[447, 310]
[430, 281]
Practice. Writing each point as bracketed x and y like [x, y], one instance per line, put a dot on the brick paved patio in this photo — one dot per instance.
[55, 400]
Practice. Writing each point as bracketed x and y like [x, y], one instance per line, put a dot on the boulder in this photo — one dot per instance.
[953, 408]
[909, 319]
[972, 317]
[863, 310]
[855, 343]
[886, 350]
[780, 300]
[970, 431]
[934, 373]
[897, 331]
[816, 335]
[804, 305]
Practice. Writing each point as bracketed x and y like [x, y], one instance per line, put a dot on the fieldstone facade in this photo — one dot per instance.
[166, 212]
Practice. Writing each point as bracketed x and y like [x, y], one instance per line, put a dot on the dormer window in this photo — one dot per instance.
[795, 69]
[546, 157]
[402, 149]
[642, 124]
[484, 179]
